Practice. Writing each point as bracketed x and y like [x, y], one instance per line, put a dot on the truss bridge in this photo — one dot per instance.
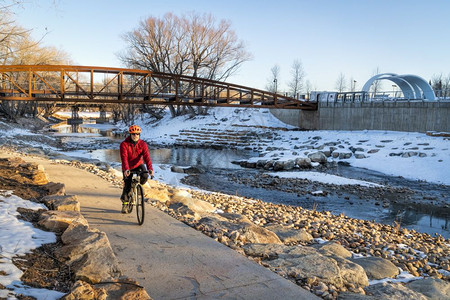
[78, 85]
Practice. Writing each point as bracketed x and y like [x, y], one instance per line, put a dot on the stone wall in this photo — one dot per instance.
[412, 116]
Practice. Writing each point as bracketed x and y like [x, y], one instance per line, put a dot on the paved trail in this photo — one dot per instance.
[170, 259]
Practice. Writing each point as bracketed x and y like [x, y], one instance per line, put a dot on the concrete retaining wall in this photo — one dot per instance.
[414, 116]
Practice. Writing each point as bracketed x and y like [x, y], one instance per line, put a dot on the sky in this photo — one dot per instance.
[352, 37]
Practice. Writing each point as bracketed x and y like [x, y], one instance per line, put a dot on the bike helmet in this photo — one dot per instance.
[134, 129]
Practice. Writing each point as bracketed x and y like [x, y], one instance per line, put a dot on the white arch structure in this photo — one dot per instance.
[412, 86]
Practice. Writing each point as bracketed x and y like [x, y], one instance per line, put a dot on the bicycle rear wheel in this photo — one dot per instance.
[140, 204]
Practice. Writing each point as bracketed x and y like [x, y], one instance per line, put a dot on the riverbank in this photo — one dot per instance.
[415, 256]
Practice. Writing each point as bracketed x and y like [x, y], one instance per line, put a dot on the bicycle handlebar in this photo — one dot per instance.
[140, 172]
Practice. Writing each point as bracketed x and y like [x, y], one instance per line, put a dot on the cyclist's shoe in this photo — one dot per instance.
[124, 197]
[124, 207]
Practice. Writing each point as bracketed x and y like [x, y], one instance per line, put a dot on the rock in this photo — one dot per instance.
[333, 248]
[184, 199]
[58, 221]
[39, 177]
[125, 289]
[377, 267]
[318, 157]
[351, 273]
[359, 155]
[393, 291]
[288, 235]
[303, 162]
[62, 203]
[154, 191]
[371, 151]
[248, 232]
[194, 170]
[89, 254]
[433, 288]
[177, 169]
[54, 188]
[84, 291]
[303, 261]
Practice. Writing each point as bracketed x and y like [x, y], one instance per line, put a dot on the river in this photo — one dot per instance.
[100, 144]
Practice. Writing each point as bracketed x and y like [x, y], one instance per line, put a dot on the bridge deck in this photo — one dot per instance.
[101, 85]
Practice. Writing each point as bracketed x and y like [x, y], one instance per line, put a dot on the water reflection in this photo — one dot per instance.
[208, 158]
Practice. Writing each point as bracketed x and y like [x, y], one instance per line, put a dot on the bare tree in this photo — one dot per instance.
[308, 87]
[298, 74]
[194, 45]
[340, 83]
[10, 33]
[376, 85]
[274, 79]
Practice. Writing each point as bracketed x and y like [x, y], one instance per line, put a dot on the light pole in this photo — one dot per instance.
[393, 90]
[275, 84]
[354, 85]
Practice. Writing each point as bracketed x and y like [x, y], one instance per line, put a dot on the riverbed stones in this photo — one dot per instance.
[377, 267]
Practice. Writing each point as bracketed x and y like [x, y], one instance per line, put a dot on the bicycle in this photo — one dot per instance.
[136, 197]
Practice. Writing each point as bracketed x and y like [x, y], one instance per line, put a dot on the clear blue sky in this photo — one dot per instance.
[353, 37]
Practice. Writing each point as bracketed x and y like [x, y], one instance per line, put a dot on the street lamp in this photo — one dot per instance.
[275, 84]
[393, 90]
[354, 85]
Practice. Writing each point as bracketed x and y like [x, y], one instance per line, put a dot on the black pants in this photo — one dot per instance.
[127, 180]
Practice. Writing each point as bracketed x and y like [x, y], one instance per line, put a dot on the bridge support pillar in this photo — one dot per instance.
[75, 116]
[103, 118]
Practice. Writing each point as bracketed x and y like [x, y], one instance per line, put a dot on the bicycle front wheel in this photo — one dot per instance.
[140, 204]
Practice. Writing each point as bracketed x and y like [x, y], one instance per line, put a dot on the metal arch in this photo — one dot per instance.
[369, 82]
[412, 86]
[426, 89]
[406, 88]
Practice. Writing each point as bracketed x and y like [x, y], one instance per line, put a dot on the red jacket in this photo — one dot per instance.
[131, 155]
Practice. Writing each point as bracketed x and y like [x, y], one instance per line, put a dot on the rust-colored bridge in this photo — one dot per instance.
[103, 85]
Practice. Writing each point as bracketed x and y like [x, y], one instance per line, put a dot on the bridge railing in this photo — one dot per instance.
[78, 84]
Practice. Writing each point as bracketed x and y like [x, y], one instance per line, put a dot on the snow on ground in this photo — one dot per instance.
[17, 237]
[324, 178]
[412, 155]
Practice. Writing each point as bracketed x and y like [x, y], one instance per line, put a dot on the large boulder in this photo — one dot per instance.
[84, 291]
[54, 188]
[183, 202]
[351, 273]
[333, 248]
[290, 235]
[303, 162]
[433, 288]
[89, 254]
[299, 262]
[387, 291]
[155, 191]
[377, 267]
[318, 157]
[38, 175]
[62, 203]
[248, 232]
[58, 221]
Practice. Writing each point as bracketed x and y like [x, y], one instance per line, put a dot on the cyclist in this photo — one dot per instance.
[132, 151]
